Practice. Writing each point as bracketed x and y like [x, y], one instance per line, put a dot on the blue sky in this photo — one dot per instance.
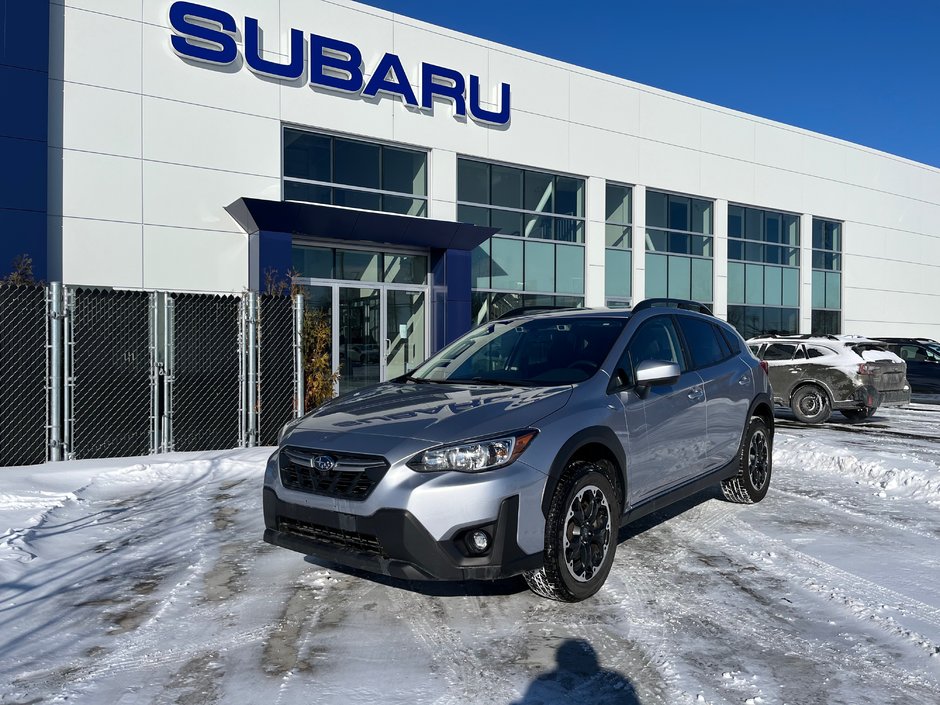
[862, 70]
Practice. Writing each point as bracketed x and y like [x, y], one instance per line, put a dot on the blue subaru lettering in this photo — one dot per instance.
[399, 86]
[453, 91]
[500, 117]
[343, 57]
[182, 15]
[253, 50]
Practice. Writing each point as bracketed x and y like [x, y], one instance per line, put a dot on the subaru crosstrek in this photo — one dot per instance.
[524, 446]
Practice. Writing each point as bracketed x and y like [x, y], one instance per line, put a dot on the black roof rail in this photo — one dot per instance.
[683, 304]
[527, 310]
[796, 336]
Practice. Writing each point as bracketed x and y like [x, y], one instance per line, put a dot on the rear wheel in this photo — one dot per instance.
[755, 462]
[810, 404]
[580, 535]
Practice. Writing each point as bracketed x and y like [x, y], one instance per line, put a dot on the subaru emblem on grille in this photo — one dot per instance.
[323, 463]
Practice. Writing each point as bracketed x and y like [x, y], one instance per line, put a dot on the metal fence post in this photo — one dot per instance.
[251, 401]
[68, 410]
[55, 371]
[169, 343]
[299, 354]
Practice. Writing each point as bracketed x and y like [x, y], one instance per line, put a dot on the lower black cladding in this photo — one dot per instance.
[392, 542]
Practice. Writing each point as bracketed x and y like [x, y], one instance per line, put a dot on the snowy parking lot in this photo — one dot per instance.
[145, 581]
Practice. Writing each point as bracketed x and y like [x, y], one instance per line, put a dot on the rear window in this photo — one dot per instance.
[733, 341]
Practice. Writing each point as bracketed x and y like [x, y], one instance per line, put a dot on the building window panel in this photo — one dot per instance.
[773, 286]
[735, 283]
[480, 266]
[569, 196]
[473, 181]
[656, 276]
[506, 267]
[791, 287]
[307, 156]
[506, 186]
[357, 164]
[404, 171]
[618, 273]
[680, 278]
[702, 280]
[539, 192]
[570, 269]
[539, 266]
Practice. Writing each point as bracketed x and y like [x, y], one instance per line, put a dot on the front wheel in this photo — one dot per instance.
[580, 535]
[755, 462]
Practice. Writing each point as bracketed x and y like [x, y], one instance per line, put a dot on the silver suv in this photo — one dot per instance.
[524, 446]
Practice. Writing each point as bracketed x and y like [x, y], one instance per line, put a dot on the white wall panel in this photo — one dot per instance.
[180, 259]
[189, 197]
[440, 129]
[157, 12]
[731, 179]
[671, 121]
[98, 120]
[182, 133]
[597, 152]
[100, 50]
[727, 135]
[778, 146]
[97, 251]
[369, 28]
[128, 9]
[100, 186]
[605, 104]
[824, 159]
[537, 87]
[338, 112]
[778, 188]
[663, 166]
[235, 88]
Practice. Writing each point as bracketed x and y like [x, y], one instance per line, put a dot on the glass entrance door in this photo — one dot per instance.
[378, 332]
[406, 332]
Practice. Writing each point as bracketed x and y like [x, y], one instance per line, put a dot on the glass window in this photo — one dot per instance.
[702, 280]
[356, 164]
[827, 322]
[779, 351]
[735, 283]
[680, 278]
[315, 262]
[656, 276]
[539, 226]
[539, 192]
[618, 236]
[539, 266]
[735, 221]
[833, 290]
[569, 263]
[506, 266]
[506, 186]
[307, 156]
[704, 346]
[406, 269]
[701, 216]
[773, 286]
[404, 206]
[656, 339]
[474, 215]
[569, 196]
[568, 230]
[819, 289]
[508, 222]
[618, 201]
[480, 266]
[791, 287]
[403, 170]
[357, 266]
[733, 341]
[679, 218]
[357, 199]
[473, 181]
[656, 210]
[312, 193]
[754, 284]
[618, 273]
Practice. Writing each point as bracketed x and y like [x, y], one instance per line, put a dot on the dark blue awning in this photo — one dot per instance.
[323, 221]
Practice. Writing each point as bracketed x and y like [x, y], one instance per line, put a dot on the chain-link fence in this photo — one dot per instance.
[109, 353]
[91, 373]
[205, 371]
[23, 375]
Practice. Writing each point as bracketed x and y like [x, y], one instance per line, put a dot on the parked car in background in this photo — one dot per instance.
[815, 375]
[524, 446]
[922, 356]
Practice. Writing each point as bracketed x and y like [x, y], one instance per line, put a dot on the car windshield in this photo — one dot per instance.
[538, 352]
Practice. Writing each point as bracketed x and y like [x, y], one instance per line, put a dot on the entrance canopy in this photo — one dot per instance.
[323, 221]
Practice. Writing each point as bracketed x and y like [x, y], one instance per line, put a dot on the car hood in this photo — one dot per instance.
[434, 413]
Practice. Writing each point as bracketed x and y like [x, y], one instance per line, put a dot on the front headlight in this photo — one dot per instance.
[475, 455]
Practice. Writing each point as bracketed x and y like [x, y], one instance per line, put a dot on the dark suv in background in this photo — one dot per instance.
[922, 356]
[524, 446]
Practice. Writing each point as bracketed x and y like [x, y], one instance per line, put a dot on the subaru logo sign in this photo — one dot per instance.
[211, 36]
[323, 463]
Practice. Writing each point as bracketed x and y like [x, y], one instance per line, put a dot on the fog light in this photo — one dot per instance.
[478, 541]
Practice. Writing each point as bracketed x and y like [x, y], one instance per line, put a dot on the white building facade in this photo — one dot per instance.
[211, 146]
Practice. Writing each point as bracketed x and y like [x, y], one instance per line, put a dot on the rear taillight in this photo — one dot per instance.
[765, 367]
[865, 369]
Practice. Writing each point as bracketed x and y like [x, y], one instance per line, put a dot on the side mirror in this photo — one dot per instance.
[651, 373]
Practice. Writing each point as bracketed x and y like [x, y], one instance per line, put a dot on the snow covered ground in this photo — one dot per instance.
[145, 581]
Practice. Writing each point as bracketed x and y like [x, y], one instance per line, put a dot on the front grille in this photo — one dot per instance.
[339, 538]
[353, 477]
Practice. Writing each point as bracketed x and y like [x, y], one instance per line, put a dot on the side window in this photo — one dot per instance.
[779, 351]
[733, 341]
[815, 352]
[755, 351]
[702, 340]
[656, 339]
[800, 353]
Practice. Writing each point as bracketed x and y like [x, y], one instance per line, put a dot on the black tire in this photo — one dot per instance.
[755, 464]
[811, 404]
[575, 569]
[856, 415]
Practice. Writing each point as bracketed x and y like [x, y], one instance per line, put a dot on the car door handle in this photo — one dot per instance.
[744, 380]
[795, 370]
[697, 394]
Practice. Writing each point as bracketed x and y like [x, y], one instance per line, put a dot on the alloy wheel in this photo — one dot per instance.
[587, 533]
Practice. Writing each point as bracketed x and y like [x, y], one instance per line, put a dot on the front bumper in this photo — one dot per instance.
[393, 542]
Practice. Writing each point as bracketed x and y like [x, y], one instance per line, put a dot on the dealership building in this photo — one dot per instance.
[418, 181]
